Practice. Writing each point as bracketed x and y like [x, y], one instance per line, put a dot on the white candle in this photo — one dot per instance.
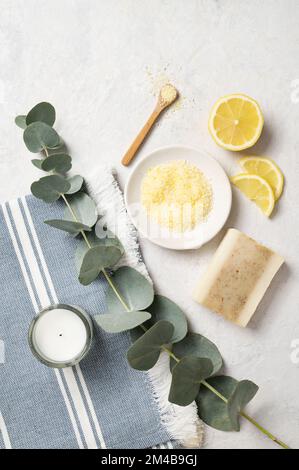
[60, 335]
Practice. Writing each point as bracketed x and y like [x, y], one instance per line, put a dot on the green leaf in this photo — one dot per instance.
[186, 378]
[109, 240]
[58, 162]
[117, 322]
[95, 259]
[37, 162]
[76, 184]
[50, 188]
[218, 414]
[163, 308]
[211, 409]
[21, 121]
[243, 394]
[43, 112]
[93, 240]
[67, 226]
[39, 135]
[83, 207]
[145, 352]
[197, 345]
[135, 289]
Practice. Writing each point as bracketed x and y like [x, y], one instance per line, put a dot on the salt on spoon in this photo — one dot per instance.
[168, 94]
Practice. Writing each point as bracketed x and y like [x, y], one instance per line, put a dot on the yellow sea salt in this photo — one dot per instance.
[177, 195]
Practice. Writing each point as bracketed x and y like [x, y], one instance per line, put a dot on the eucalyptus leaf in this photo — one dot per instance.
[163, 308]
[186, 378]
[39, 135]
[84, 209]
[117, 322]
[110, 239]
[243, 394]
[145, 352]
[37, 162]
[218, 414]
[21, 121]
[50, 188]
[43, 112]
[58, 162]
[197, 345]
[67, 226]
[95, 259]
[76, 183]
[135, 289]
[211, 409]
[93, 240]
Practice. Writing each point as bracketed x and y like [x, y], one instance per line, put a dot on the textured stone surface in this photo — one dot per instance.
[97, 62]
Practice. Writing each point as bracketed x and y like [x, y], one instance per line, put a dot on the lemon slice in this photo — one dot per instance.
[257, 190]
[236, 122]
[267, 169]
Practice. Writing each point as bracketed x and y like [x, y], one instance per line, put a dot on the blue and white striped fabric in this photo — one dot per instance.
[100, 403]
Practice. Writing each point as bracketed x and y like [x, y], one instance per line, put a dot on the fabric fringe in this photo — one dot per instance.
[182, 423]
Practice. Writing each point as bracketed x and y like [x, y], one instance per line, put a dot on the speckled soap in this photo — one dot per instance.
[237, 277]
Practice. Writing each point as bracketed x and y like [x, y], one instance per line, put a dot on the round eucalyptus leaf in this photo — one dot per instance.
[211, 409]
[67, 226]
[163, 308]
[145, 352]
[95, 259]
[76, 183]
[39, 135]
[84, 209]
[135, 289]
[186, 378]
[93, 240]
[117, 322]
[243, 394]
[50, 188]
[197, 345]
[59, 148]
[21, 121]
[43, 112]
[37, 162]
[109, 240]
[58, 162]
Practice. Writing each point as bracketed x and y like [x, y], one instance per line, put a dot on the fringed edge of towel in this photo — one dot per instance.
[182, 423]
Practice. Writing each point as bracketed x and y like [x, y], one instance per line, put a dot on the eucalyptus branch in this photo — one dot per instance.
[155, 320]
[170, 353]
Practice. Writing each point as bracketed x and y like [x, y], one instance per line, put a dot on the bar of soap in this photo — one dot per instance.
[237, 277]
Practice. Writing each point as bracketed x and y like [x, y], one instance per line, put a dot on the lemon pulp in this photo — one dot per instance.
[257, 190]
[236, 122]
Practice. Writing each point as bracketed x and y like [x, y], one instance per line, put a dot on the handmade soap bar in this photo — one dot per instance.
[237, 277]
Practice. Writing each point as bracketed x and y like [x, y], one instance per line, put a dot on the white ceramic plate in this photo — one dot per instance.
[203, 232]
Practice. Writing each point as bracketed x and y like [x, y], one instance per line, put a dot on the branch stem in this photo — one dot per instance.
[264, 431]
[113, 287]
[246, 416]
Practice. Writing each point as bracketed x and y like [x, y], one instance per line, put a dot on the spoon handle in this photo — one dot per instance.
[130, 154]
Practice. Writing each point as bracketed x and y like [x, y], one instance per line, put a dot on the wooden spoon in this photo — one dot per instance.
[168, 94]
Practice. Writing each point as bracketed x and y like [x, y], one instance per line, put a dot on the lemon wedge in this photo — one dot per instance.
[257, 190]
[267, 169]
[236, 122]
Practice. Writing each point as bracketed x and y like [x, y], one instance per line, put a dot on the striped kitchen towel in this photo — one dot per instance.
[102, 402]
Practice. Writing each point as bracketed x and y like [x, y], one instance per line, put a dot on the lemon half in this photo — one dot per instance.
[236, 122]
[257, 190]
[267, 169]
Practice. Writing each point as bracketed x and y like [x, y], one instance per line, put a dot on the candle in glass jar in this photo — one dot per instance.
[60, 335]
